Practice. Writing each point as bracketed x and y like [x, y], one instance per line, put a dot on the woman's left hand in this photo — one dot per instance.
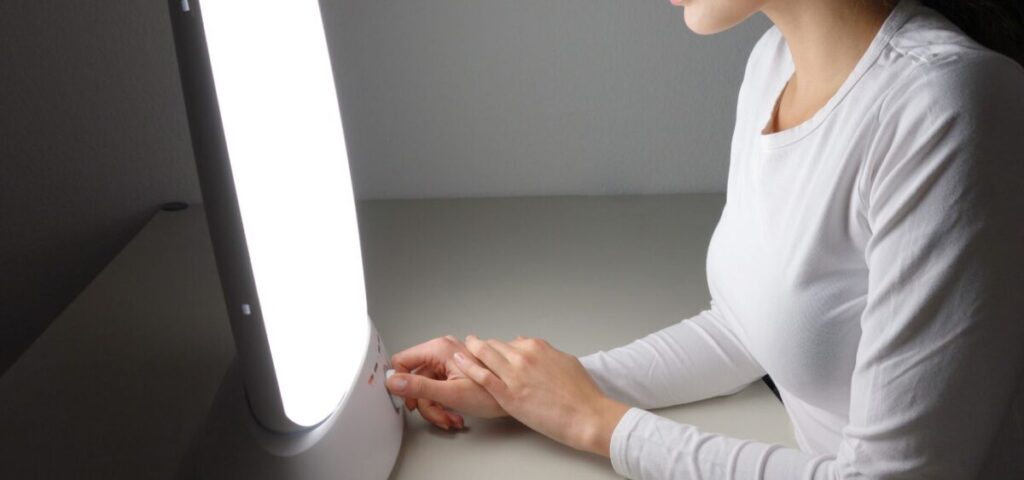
[545, 389]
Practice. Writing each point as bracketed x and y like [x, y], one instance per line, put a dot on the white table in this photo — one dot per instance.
[118, 384]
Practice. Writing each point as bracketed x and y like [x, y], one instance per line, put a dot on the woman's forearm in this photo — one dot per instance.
[692, 360]
[596, 431]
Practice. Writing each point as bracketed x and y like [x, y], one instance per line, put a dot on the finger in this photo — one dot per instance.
[484, 377]
[520, 342]
[420, 387]
[410, 402]
[506, 350]
[431, 354]
[434, 413]
[531, 344]
[456, 420]
[490, 357]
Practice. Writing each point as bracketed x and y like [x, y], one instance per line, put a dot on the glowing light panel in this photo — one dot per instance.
[286, 145]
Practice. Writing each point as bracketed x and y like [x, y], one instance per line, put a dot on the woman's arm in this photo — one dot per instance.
[940, 358]
[692, 360]
[695, 359]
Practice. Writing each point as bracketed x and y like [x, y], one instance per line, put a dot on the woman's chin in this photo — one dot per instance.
[699, 24]
[702, 22]
[697, 27]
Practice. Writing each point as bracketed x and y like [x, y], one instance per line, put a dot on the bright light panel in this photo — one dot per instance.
[285, 141]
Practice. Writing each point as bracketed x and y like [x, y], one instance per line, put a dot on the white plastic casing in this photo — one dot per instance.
[359, 440]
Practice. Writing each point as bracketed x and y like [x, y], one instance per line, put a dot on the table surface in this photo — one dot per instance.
[120, 382]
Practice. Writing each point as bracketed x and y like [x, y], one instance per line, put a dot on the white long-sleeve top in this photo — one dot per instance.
[871, 260]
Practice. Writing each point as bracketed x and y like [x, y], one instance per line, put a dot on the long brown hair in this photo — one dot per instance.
[996, 24]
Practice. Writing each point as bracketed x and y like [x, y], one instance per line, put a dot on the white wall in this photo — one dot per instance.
[441, 98]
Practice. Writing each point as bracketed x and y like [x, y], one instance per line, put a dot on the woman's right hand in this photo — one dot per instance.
[427, 377]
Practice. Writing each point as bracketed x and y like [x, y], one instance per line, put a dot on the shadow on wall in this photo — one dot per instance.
[94, 139]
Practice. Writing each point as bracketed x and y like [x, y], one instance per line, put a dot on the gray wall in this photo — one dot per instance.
[450, 98]
[441, 98]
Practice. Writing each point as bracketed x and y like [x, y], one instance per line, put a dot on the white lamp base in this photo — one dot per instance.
[360, 440]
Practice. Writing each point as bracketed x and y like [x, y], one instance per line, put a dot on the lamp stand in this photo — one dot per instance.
[359, 441]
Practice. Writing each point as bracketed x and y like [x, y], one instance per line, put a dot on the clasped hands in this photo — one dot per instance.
[528, 379]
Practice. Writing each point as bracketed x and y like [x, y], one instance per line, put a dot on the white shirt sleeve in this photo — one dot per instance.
[692, 360]
[940, 355]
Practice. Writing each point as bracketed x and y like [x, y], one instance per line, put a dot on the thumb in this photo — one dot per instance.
[417, 386]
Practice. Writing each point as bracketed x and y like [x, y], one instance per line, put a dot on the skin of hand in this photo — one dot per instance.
[545, 389]
[426, 376]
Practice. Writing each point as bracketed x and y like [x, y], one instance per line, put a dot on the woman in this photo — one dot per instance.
[869, 257]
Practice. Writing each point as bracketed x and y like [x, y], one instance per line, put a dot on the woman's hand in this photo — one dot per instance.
[548, 390]
[428, 379]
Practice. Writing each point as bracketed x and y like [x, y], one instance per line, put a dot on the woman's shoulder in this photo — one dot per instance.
[947, 104]
[927, 37]
[978, 86]
[934, 65]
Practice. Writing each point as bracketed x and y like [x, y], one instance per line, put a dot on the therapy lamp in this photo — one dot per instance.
[305, 396]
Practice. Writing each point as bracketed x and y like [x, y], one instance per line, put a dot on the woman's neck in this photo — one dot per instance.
[826, 38]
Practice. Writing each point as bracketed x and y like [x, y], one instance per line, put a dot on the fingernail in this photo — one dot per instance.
[459, 358]
[399, 384]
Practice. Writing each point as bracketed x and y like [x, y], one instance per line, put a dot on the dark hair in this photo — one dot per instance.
[996, 24]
